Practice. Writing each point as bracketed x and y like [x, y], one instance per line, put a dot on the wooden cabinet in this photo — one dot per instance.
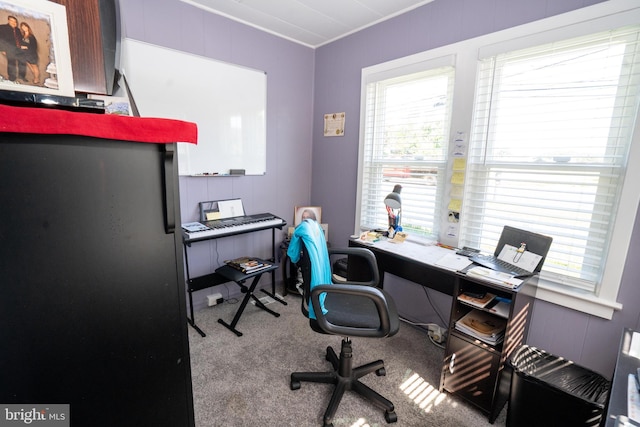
[92, 40]
[475, 370]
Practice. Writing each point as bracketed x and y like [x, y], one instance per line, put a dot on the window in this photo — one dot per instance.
[549, 115]
[406, 138]
[549, 148]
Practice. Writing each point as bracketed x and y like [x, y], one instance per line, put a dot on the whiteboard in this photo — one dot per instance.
[226, 101]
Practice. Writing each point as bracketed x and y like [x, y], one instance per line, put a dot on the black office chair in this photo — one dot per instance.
[355, 309]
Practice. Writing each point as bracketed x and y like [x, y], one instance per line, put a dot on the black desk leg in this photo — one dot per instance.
[194, 326]
[273, 273]
[245, 301]
[191, 320]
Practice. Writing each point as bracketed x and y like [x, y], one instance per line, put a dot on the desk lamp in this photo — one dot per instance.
[394, 208]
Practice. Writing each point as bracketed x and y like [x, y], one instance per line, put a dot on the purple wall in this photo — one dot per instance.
[303, 167]
[289, 68]
[587, 340]
[338, 70]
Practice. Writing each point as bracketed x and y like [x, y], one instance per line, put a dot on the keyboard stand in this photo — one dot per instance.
[213, 279]
[239, 277]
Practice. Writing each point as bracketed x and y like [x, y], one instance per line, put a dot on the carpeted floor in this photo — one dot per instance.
[244, 381]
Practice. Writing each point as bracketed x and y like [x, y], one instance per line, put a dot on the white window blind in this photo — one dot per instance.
[406, 133]
[548, 149]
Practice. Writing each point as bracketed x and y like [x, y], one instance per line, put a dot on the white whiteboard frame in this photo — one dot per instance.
[227, 102]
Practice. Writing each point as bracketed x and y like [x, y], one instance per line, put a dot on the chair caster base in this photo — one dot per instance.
[390, 417]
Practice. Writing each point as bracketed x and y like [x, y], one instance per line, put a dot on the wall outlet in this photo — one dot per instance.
[437, 334]
[214, 299]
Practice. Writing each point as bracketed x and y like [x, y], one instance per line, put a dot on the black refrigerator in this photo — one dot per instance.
[92, 292]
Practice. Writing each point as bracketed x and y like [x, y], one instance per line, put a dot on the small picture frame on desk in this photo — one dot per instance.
[34, 45]
[299, 212]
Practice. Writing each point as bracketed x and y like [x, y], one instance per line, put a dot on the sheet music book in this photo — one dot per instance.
[221, 209]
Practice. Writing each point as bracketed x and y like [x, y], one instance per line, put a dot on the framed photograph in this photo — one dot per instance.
[299, 211]
[34, 48]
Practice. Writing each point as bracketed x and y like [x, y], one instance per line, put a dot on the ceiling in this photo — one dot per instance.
[309, 22]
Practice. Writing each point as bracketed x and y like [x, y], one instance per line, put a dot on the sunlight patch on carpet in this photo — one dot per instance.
[361, 423]
[421, 392]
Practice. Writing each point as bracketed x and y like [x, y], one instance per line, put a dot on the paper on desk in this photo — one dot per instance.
[453, 261]
[527, 260]
[497, 277]
[427, 253]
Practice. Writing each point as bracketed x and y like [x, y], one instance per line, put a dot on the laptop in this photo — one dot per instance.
[519, 253]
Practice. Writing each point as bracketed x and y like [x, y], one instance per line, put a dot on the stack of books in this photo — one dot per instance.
[247, 264]
[476, 300]
[483, 326]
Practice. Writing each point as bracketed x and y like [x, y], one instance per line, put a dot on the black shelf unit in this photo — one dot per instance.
[472, 369]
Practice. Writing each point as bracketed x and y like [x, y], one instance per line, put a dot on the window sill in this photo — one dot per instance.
[584, 302]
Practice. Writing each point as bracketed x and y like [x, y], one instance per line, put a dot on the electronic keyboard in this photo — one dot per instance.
[236, 225]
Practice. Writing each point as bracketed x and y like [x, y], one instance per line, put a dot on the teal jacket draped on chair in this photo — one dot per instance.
[311, 234]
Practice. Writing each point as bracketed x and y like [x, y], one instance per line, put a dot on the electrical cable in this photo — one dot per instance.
[402, 319]
[214, 248]
[426, 292]
[416, 323]
[435, 343]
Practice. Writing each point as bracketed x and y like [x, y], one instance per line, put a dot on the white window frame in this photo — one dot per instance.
[600, 17]
[432, 64]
